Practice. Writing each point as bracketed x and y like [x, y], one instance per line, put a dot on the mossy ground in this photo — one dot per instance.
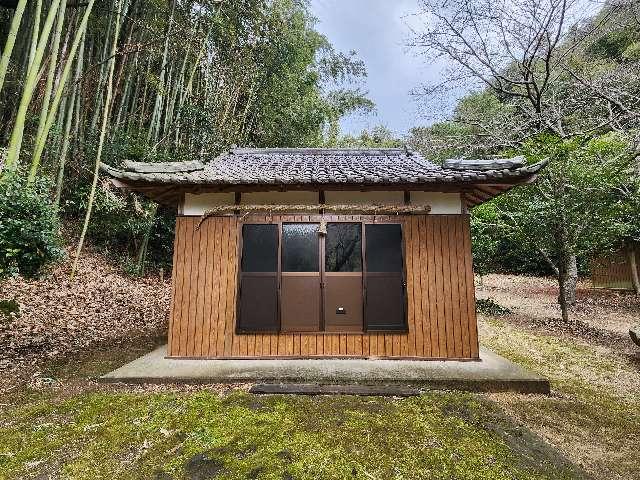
[73, 428]
[204, 434]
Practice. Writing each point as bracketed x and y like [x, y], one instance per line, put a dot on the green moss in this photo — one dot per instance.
[127, 435]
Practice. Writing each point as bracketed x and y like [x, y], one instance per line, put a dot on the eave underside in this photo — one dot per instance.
[473, 194]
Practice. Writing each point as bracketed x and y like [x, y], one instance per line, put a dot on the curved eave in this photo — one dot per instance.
[482, 193]
[476, 186]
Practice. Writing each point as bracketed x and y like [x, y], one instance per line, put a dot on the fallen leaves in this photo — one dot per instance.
[59, 316]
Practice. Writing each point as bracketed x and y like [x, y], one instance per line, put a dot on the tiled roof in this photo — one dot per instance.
[303, 166]
[484, 165]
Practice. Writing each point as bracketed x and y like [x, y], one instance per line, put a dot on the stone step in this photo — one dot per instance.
[319, 389]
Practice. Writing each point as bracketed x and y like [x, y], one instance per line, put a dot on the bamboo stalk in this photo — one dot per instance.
[65, 144]
[15, 142]
[35, 33]
[105, 118]
[11, 40]
[37, 154]
[53, 61]
[78, 133]
[152, 134]
[142, 252]
[101, 79]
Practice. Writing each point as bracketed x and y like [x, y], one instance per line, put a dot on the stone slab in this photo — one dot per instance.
[492, 373]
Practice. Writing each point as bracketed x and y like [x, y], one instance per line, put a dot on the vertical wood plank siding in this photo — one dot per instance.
[440, 296]
[613, 271]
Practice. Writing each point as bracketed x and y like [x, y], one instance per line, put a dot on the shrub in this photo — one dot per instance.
[489, 306]
[9, 309]
[29, 227]
[119, 223]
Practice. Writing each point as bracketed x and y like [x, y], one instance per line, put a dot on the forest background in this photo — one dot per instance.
[84, 82]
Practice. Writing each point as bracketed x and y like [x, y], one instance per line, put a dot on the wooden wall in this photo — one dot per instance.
[440, 291]
[612, 271]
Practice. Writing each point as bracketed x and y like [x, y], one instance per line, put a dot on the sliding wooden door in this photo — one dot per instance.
[384, 278]
[258, 305]
[295, 278]
[343, 278]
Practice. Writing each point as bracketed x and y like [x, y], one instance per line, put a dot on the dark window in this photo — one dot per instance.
[343, 247]
[259, 248]
[384, 248]
[384, 279]
[258, 299]
[282, 288]
[300, 247]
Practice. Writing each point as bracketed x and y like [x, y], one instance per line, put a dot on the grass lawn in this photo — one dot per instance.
[593, 414]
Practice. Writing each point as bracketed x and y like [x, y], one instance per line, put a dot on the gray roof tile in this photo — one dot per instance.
[322, 166]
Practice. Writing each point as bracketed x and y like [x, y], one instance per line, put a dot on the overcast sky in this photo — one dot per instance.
[377, 30]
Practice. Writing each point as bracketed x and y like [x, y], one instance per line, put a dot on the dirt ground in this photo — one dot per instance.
[593, 414]
[60, 317]
[601, 316]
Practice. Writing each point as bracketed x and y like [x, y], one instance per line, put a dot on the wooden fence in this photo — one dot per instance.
[612, 271]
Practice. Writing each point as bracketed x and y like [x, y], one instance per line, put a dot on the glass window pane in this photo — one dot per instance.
[300, 249]
[259, 248]
[344, 247]
[384, 248]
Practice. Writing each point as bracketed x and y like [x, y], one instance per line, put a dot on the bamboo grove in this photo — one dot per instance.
[88, 81]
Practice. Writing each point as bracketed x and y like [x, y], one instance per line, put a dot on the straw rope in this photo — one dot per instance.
[365, 209]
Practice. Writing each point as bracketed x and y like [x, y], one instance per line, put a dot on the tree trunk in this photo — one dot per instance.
[634, 270]
[103, 130]
[567, 269]
[568, 281]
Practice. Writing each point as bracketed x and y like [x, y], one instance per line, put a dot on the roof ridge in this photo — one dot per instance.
[322, 151]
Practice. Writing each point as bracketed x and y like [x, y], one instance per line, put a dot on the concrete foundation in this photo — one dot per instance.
[492, 373]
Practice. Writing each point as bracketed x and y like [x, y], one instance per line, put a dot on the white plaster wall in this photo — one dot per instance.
[441, 203]
[280, 198]
[196, 205]
[364, 198]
